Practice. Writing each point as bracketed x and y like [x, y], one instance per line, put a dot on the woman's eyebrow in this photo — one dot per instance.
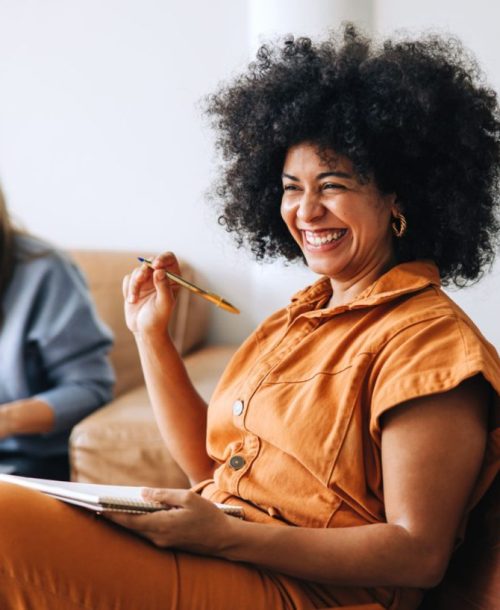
[338, 174]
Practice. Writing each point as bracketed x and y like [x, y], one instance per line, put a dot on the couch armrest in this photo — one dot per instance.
[121, 444]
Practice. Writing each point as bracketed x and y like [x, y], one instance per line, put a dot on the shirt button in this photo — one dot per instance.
[238, 407]
[237, 462]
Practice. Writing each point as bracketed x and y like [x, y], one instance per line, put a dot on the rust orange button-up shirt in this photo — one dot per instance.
[295, 420]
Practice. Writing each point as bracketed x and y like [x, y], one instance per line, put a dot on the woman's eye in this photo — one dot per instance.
[289, 187]
[333, 185]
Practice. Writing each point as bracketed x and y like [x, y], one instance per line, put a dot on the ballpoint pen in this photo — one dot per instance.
[209, 296]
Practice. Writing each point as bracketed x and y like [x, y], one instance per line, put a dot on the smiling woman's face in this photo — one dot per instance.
[342, 226]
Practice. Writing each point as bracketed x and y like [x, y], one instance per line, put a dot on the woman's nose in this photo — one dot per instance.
[310, 207]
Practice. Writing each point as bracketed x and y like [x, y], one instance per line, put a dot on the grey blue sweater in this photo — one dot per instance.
[52, 345]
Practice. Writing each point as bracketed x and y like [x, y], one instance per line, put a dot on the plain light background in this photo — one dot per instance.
[103, 143]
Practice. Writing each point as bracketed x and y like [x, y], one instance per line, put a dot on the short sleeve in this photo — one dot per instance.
[428, 357]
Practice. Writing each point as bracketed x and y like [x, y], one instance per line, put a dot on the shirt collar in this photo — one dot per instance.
[402, 279]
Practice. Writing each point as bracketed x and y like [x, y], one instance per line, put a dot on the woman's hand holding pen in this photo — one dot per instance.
[181, 413]
[149, 296]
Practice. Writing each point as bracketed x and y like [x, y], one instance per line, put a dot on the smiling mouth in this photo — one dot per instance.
[322, 238]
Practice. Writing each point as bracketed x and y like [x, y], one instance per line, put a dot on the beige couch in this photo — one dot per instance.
[120, 443]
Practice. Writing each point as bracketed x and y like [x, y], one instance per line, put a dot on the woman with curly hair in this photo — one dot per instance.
[354, 426]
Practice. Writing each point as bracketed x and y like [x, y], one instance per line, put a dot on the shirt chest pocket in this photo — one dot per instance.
[307, 414]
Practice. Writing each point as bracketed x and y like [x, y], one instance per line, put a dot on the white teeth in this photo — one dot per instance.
[324, 238]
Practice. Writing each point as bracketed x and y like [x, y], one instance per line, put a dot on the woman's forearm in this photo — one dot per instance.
[180, 411]
[27, 416]
[370, 555]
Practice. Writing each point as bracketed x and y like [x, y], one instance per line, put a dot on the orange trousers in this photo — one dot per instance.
[58, 557]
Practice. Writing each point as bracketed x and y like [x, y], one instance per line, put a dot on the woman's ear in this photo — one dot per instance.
[394, 204]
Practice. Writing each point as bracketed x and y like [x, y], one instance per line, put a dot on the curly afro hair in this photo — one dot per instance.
[413, 115]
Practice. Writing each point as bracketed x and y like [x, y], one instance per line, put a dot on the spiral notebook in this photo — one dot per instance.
[101, 498]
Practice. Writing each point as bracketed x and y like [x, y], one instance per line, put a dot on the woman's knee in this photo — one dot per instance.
[21, 510]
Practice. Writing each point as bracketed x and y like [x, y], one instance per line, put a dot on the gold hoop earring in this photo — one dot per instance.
[400, 230]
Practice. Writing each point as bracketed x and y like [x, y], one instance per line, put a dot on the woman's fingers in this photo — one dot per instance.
[166, 260]
[163, 289]
[149, 297]
[185, 520]
[150, 525]
[137, 281]
[177, 498]
[125, 283]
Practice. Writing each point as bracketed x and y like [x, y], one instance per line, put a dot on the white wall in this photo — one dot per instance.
[268, 18]
[102, 143]
[101, 140]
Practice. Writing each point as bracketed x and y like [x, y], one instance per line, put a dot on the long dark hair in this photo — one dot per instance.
[7, 254]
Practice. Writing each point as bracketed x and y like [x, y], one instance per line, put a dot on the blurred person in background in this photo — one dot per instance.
[54, 368]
